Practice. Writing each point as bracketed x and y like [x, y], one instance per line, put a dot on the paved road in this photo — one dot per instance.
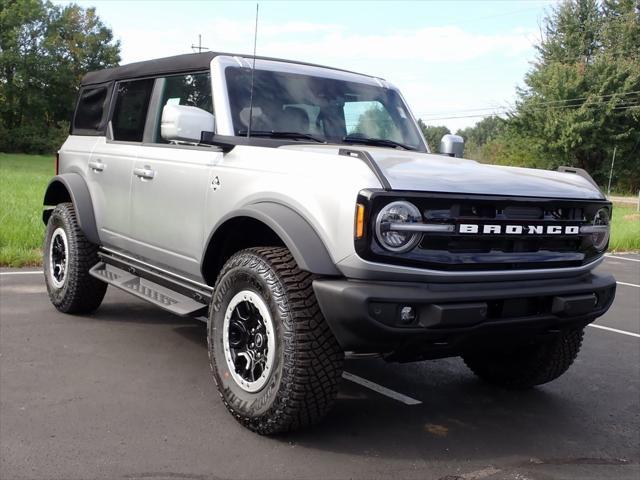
[126, 394]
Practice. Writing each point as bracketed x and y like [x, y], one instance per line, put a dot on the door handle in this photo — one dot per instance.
[96, 166]
[144, 173]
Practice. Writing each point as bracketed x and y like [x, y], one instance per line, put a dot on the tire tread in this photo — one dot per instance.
[314, 365]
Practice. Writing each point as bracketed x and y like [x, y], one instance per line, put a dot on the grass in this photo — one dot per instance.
[625, 228]
[23, 179]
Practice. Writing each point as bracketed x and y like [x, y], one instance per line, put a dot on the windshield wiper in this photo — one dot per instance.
[276, 134]
[381, 142]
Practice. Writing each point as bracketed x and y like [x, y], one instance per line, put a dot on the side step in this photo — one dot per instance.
[147, 290]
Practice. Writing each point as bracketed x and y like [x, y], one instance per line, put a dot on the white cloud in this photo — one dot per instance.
[412, 59]
[304, 41]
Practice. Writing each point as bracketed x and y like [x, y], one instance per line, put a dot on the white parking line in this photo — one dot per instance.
[615, 330]
[380, 389]
[623, 258]
[35, 272]
[628, 284]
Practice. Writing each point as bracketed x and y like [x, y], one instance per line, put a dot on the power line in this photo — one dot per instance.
[505, 112]
[549, 102]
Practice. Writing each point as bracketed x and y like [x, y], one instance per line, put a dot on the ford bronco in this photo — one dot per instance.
[300, 212]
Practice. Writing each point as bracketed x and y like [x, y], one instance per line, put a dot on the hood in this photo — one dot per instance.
[436, 173]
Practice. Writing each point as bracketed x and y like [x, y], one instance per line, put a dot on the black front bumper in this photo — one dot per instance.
[451, 318]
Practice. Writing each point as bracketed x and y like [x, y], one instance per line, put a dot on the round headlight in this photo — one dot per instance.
[600, 237]
[396, 214]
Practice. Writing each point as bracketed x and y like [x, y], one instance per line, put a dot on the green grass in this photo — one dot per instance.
[625, 228]
[23, 179]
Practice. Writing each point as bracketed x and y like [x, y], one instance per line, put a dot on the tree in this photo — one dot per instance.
[377, 123]
[44, 52]
[433, 134]
[582, 97]
[480, 134]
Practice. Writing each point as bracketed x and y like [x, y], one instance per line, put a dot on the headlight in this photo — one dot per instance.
[397, 213]
[600, 236]
[599, 229]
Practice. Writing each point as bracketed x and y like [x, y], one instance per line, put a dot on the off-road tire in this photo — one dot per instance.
[308, 363]
[80, 292]
[527, 366]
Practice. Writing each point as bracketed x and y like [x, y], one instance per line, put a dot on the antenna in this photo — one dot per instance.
[253, 70]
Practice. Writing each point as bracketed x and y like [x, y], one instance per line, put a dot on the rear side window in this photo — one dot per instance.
[91, 110]
[130, 111]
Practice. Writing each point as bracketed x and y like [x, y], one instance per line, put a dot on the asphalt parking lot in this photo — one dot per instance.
[126, 394]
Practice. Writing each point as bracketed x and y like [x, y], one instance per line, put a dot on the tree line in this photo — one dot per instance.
[580, 100]
[45, 50]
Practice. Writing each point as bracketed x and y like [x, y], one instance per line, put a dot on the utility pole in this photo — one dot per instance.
[611, 172]
[199, 47]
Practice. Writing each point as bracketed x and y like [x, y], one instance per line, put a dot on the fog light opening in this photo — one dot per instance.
[407, 315]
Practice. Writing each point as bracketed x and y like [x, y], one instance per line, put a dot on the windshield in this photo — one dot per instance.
[324, 109]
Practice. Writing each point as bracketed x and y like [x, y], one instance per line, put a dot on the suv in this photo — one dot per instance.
[298, 210]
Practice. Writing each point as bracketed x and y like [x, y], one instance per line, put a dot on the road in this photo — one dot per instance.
[126, 394]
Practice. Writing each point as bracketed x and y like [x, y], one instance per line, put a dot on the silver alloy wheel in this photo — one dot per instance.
[58, 257]
[248, 339]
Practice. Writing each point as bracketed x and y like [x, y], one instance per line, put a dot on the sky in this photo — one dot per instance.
[449, 58]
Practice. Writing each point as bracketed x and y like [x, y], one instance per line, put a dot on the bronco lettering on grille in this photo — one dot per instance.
[487, 229]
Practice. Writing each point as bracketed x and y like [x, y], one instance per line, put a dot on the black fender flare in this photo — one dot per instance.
[296, 233]
[72, 187]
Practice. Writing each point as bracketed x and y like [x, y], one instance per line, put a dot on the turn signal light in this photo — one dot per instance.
[359, 221]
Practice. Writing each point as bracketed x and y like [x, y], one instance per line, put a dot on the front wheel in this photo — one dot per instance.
[68, 256]
[526, 366]
[274, 359]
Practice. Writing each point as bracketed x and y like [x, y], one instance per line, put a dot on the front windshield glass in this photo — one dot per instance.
[320, 109]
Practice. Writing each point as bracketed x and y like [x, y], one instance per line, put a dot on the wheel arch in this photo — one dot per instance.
[71, 187]
[266, 222]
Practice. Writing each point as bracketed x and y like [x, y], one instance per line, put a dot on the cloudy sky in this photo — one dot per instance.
[449, 58]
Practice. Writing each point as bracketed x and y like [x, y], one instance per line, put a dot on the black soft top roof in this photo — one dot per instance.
[189, 62]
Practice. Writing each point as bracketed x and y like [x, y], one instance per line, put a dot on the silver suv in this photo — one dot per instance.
[298, 210]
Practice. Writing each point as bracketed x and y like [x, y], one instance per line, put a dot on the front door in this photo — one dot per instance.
[171, 182]
[168, 196]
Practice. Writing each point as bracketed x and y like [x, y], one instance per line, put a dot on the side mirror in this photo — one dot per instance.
[452, 145]
[182, 123]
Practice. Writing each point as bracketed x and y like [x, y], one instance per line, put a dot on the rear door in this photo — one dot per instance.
[171, 180]
[110, 172]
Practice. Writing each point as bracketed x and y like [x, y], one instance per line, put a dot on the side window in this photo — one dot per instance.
[130, 112]
[193, 90]
[90, 112]
[370, 119]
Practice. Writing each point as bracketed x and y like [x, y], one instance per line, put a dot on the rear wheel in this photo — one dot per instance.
[68, 256]
[529, 365]
[275, 362]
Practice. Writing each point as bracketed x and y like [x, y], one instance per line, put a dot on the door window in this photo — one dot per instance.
[193, 90]
[130, 112]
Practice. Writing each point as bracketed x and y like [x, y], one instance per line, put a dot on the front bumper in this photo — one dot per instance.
[454, 317]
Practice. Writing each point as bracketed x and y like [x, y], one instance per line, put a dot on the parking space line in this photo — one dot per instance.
[615, 330]
[623, 258]
[628, 284]
[23, 273]
[380, 389]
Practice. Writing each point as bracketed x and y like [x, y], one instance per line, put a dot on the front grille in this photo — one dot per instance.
[456, 251]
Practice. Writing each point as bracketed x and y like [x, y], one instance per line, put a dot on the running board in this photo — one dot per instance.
[150, 291]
